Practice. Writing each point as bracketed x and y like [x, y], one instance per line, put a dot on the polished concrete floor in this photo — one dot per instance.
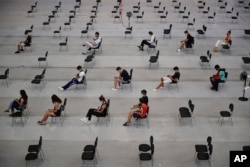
[118, 145]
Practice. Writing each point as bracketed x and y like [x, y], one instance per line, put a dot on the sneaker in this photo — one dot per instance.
[83, 45]
[178, 50]
[17, 52]
[60, 88]
[84, 53]
[114, 89]
[83, 119]
[6, 111]
[154, 90]
[141, 49]
[21, 50]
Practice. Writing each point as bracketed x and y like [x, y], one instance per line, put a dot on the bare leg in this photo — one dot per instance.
[161, 84]
[116, 82]
[46, 115]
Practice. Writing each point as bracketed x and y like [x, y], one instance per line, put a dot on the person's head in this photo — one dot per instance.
[186, 32]
[229, 32]
[217, 67]
[79, 68]
[55, 99]
[150, 33]
[26, 32]
[143, 92]
[97, 34]
[118, 69]
[141, 100]
[23, 94]
[102, 98]
[176, 68]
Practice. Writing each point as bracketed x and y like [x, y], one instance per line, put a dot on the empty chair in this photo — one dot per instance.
[72, 15]
[177, 7]
[85, 31]
[46, 23]
[58, 31]
[174, 2]
[247, 7]
[90, 59]
[204, 12]
[117, 17]
[140, 17]
[201, 6]
[90, 23]
[128, 31]
[146, 147]
[147, 156]
[227, 114]
[58, 7]
[32, 157]
[106, 116]
[167, 31]
[34, 7]
[229, 12]
[136, 11]
[241, 3]
[185, 112]
[246, 60]
[191, 23]
[91, 147]
[157, 6]
[89, 157]
[129, 82]
[52, 16]
[43, 59]
[5, 76]
[205, 60]
[223, 7]
[181, 12]
[37, 148]
[154, 59]
[164, 16]
[161, 11]
[203, 148]
[202, 32]
[205, 156]
[246, 32]
[38, 79]
[137, 6]
[186, 17]
[212, 17]
[235, 17]
[61, 44]
[67, 24]
[149, 2]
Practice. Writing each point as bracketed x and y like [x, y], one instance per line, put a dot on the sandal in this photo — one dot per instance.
[6, 111]
[42, 123]
[39, 122]
[126, 124]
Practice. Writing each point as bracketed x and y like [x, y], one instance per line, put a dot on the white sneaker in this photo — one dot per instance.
[178, 50]
[60, 88]
[114, 89]
[154, 90]
[83, 119]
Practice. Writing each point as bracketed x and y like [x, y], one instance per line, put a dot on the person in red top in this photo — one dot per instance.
[140, 113]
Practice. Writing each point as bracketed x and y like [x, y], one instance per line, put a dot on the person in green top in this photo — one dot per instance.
[217, 78]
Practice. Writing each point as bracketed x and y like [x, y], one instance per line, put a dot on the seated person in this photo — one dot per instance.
[100, 111]
[56, 111]
[224, 41]
[18, 103]
[27, 42]
[96, 41]
[123, 76]
[137, 106]
[150, 41]
[188, 41]
[142, 113]
[169, 78]
[77, 79]
[217, 78]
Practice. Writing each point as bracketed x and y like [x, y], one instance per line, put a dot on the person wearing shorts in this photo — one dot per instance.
[169, 78]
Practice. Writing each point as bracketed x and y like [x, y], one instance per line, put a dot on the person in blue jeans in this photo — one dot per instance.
[77, 79]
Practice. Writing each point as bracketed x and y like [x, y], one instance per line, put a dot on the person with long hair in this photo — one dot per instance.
[100, 111]
[224, 41]
[55, 111]
[18, 103]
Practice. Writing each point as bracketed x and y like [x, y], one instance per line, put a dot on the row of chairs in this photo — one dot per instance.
[187, 112]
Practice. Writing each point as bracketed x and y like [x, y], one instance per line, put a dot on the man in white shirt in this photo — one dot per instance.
[150, 41]
[77, 79]
[96, 41]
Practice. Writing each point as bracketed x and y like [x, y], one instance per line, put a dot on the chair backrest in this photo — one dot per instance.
[157, 54]
[204, 28]
[40, 143]
[151, 140]
[191, 106]
[44, 71]
[66, 39]
[208, 52]
[131, 74]
[210, 149]
[46, 54]
[64, 103]
[60, 28]
[96, 142]
[210, 56]
[209, 140]
[231, 107]
[6, 73]
[170, 26]
[152, 149]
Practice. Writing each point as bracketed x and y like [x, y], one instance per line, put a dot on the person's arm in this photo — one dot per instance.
[20, 101]
[151, 40]
[103, 107]
[57, 107]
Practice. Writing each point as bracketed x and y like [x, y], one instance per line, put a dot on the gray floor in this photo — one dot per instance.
[118, 145]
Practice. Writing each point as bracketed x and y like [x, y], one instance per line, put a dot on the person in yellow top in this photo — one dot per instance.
[224, 41]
